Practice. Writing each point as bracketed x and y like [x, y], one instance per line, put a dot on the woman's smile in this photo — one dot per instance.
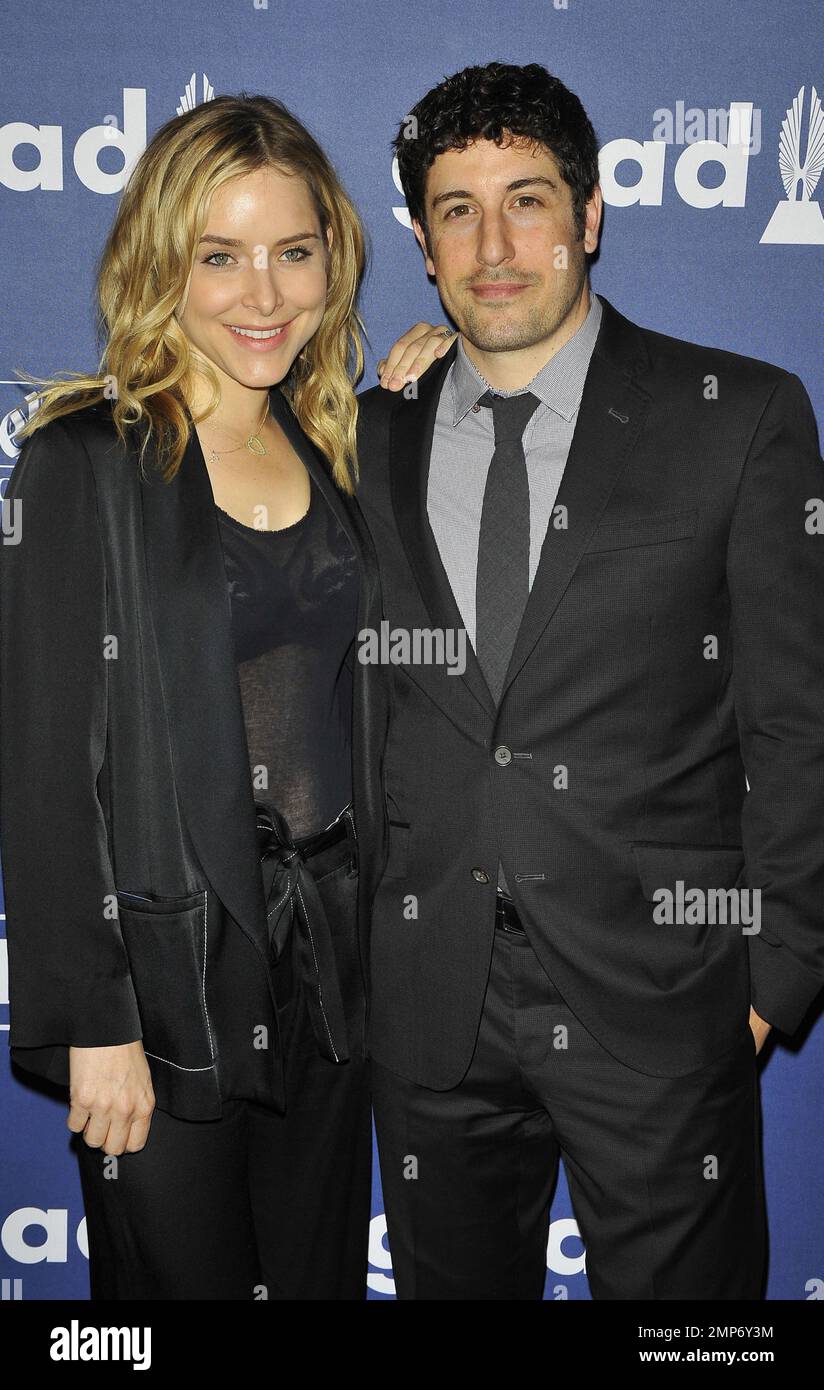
[259, 339]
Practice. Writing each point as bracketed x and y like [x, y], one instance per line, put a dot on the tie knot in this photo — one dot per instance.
[510, 414]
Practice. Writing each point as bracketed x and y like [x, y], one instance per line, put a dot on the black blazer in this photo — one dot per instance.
[624, 732]
[124, 770]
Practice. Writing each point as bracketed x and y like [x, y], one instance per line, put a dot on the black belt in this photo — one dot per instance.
[292, 896]
[506, 917]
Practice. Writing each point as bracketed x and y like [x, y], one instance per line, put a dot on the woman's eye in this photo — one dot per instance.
[459, 207]
[528, 196]
[300, 254]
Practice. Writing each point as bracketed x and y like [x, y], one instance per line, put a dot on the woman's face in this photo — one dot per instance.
[261, 265]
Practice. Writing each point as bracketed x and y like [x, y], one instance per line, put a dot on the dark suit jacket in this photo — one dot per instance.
[629, 729]
[124, 770]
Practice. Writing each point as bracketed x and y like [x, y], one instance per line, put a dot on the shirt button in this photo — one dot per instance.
[480, 875]
[503, 755]
[476, 407]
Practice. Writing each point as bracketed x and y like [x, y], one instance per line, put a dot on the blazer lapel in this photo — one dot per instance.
[193, 627]
[315, 464]
[368, 712]
[192, 621]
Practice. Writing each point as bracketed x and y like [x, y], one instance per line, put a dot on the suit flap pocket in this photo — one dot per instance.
[151, 902]
[165, 941]
[644, 530]
[697, 866]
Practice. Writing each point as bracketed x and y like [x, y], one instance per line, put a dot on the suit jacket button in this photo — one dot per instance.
[503, 755]
[480, 875]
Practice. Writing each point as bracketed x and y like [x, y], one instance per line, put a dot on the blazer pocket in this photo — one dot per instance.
[661, 865]
[671, 940]
[644, 530]
[165, 940]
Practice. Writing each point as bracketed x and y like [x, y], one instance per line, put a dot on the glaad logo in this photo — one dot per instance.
[732, 152]
[128, 136]
[797, 220]
[189, 100]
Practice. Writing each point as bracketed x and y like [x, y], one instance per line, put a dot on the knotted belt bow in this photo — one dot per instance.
[292, 899]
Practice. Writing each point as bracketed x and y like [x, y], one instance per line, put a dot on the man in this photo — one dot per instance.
[567, 945]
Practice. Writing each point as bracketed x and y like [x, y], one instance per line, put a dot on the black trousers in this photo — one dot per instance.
[256, 1204]
[664, 1174]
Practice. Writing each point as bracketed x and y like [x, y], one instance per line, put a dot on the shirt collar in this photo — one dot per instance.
[559, 383]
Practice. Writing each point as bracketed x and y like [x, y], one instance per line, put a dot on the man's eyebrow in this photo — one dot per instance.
[510, 188]
[233, 241]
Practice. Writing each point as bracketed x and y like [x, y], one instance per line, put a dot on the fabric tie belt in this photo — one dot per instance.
[292, 899]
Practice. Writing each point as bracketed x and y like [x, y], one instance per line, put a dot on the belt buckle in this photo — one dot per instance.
[503, 908]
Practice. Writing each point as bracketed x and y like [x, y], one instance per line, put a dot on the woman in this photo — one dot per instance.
[190, 761]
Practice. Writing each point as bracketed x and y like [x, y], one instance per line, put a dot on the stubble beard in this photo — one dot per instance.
[511, 330]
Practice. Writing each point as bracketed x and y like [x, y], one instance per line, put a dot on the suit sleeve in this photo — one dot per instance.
[69, 979]
[775, 570]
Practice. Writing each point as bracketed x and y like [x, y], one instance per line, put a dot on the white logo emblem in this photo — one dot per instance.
[189, 100]
[797, 220]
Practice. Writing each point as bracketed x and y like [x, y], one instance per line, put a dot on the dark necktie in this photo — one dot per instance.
[502, 582]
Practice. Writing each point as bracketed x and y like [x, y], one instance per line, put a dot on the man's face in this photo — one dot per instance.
[503, 242]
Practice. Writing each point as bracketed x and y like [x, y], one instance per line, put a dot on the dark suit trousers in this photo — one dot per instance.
[664, 1174]
[256, 1204]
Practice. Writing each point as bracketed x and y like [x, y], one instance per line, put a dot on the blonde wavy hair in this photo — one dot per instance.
[144, 270]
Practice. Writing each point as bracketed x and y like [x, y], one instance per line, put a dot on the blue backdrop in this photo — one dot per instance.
[686, 250]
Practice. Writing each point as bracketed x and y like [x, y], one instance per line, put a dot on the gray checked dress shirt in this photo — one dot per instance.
[464, 442]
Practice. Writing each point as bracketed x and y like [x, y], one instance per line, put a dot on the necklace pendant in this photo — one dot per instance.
[255, 444]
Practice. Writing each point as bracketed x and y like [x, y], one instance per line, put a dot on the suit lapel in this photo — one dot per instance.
[410, 451]
[610, 417]
[612, 411]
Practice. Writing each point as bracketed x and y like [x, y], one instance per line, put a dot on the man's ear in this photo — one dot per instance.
[421, 240]
[593, 213]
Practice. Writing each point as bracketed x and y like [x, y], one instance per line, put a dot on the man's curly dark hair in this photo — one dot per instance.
[493, 103]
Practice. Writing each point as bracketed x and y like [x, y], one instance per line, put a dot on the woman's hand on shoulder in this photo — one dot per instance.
[413, 352]
[111, 1098]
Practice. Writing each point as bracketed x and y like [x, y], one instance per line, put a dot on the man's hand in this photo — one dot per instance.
[760, 1029]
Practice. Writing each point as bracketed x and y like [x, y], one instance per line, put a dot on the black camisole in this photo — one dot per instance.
[293, 596]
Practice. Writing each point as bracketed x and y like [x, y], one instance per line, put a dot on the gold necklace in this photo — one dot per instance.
[254, 443]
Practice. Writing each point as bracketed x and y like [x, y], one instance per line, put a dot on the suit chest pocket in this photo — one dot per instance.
[656, 529]
[166, 940]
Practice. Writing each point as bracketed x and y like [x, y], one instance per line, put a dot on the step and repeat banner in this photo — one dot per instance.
[710, 132]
